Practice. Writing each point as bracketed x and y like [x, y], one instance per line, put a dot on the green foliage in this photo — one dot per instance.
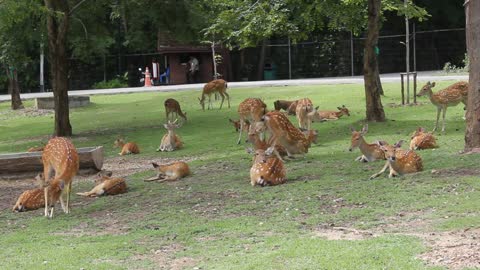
[118, 82]
[451, 68]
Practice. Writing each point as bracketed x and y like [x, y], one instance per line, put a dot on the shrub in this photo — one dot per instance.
[450, 68]
[118, 82]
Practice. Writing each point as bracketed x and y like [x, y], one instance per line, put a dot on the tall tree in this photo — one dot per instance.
[472, 131]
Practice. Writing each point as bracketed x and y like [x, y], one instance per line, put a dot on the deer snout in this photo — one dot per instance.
[392, 158]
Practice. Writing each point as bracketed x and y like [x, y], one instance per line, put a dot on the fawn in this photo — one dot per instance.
[448, 97]
[370, 152]
[170, 172]
[35, 198]
[399, 161]
[333, 115]
[170, 141]
[266, 170]
[126, 148]
[173, 107]
[236, 124]
[106, 185]
[258, 143]
[59, 156]
[304, 106]
[422, 140]
[36, 149]
[250, 109]
[214, 86]
[285, 105]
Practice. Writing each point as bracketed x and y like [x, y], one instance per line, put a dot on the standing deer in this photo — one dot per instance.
[422, 140]
[448, 97]
[170, 172]
[170, 141]
[173, 107]
[399, 161]
[266, 170]
[106, 185]
[304, 106]
[370, 152]
[126, 148]
[250, 109]
[61, 157]
[35, 198]
[214, 86]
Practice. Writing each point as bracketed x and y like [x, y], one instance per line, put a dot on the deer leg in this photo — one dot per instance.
[240, 132]
[46, 200]
[228, 99]
[443, 116]
[62, 203]
[69, 189]
[223, 98]
[438, 117]
[387, 165]
[159, 176]
[51, 211]
[392, 173]
[209, 102]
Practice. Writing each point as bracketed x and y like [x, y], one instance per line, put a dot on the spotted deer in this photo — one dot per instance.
[170, 172]
[250, 109]
[370, 152]
[422, 140]
[304, 106]
[258, 143]
[59, 156]
[399, 161]
[216, 86]
[170, 141]
[106, 185]
[284, 105]
[35, 198]
[266, 169]
[236, 124]
[448, 97]
[173, 107]
[126, 148]
[333, 115]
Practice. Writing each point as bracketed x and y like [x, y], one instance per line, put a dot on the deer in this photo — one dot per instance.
[285, 105]
[304, 106]
[36, 148]
[59, 156]
[35, 198]
[173, 107]
[216, 86]
[106, 185]
[236, 124]
[422, 140]
[126, 148]
[250, 109]
[170, 172]
[333, 115]
[448, 97]
[370, 152]
[258, 143]
[170, 141]
[266, 169]
[399, 161]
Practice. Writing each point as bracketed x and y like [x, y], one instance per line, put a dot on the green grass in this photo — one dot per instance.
[216, 219]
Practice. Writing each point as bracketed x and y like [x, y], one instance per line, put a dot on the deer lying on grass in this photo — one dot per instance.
[36, 148]
[236, 124]
[35, 198]
[399, 161]
[304, 106]
[266, 169]
[216, 86]
[170, 172]
[333, 115]
[126, 148]
[422, 140]
[370, 152]
[106, 185]
[445, 98]
[173, 107]
[170, 141]
[286, 106]
[59, 156]
[250, 109]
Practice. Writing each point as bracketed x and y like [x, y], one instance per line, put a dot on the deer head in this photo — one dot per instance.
[202, 102]
[260, 155]
[426, 89]
[357, 137]
[344, 110]
[390, 150]
[119, 142]
[417, 132]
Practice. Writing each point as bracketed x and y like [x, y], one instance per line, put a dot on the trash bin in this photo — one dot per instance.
[269, 72]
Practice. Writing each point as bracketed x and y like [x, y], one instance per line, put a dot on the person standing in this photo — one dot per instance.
[193, 69]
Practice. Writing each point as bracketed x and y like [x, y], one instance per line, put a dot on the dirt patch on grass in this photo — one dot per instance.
[164, 258]
[343, 233]
[27, 112]
[455, 172]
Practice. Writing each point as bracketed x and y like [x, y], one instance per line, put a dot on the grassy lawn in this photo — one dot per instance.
[327, 216]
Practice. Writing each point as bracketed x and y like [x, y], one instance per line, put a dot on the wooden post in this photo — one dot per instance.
[403, 90]
[415, 87]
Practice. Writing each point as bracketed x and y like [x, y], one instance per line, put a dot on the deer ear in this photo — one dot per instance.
[249, 150]
[433, 84]
[352, 129]
[155, 165]
[61, 185]
[316, 108]
[165, 126]
[230, 120]
[398, 144]
[343, 106]
[365, 129]
[339, 108]
[269, 150]
[421, 129]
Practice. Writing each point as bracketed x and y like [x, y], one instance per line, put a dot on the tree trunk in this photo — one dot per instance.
[370, 72]
[377, 75]
[57, 27]
[472, 131]
[261, 61]
[14, 88]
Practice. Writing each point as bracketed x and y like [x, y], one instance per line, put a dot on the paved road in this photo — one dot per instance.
[392, 77]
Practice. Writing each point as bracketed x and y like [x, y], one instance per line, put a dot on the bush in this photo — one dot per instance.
[118, 82]
[450, 68]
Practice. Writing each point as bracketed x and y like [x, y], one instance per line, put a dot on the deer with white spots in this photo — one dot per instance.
[399, 161]
[59, 156]
[304, 106]
[251, 109]
[370, 152]
[422, 140]
[266, 169]
[35, 198]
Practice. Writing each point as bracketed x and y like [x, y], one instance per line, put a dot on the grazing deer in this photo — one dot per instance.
[170, 172]
[250, 109]
[370, 152]
[258, 143]
[59, 156]
[173, 107]
[333, 115]
[445, 98]
[170, 141]
[236, 124]
[422, 140]
[126, 148]
[214, 86]
[284, 104]
[304, 106]
[399, 161]
[106, 185]
[35, 198]
[266, 170]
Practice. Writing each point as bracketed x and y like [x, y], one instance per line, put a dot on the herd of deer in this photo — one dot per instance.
[285, 141]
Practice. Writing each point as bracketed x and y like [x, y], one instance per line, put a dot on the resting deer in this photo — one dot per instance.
[266, 169]
[236, 124]
[126, 148]
[304, 106]
[170, 141]
[250, 109]
[106, 185]
[333, 115]
[35, 198]
[170, 172]
[422, 140]
[285, 105]
[258, 143]
[59, 156]
[36, 148]
[445, 98]
[214, 86]
[370, 152]
[173, 107]
[399, 161]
